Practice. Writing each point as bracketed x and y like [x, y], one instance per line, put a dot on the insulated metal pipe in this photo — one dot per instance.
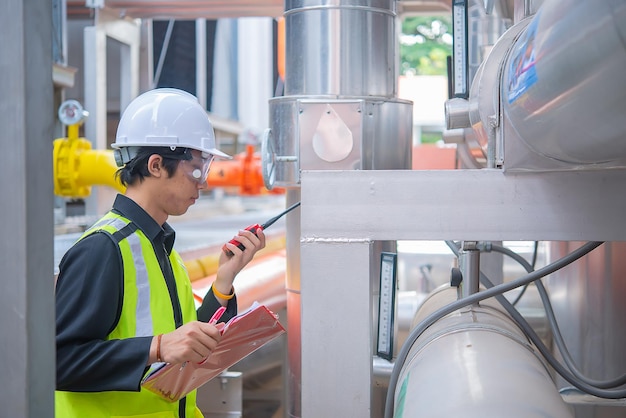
[470, 266]
[339, 112]
[340, 47]
[563, 82]
[474, 362]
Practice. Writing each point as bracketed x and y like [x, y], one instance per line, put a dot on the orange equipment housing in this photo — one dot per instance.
[243, 171]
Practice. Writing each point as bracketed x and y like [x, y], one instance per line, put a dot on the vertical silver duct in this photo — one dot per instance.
[589, 306]
[524, 8]
[339, 112]
[341, 48]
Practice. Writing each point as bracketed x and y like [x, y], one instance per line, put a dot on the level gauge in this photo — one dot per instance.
[387, 305]
[460, 60]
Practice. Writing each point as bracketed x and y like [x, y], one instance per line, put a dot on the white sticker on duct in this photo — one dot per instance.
[332, 140]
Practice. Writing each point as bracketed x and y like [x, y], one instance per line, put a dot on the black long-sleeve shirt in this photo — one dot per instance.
[89, 294]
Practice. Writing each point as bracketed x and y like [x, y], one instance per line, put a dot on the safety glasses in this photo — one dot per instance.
[197, 169]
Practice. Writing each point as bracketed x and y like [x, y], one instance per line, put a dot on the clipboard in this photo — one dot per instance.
[241, 336]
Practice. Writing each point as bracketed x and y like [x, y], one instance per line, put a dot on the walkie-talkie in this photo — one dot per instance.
[253, 228]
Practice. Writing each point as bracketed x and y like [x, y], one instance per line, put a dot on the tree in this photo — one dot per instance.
[425, 43]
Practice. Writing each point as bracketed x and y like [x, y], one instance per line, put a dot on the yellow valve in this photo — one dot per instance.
[76, 167]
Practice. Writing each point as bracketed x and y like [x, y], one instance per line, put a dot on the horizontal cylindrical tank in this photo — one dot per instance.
[550, 94]
[563, 82]
[474, 362]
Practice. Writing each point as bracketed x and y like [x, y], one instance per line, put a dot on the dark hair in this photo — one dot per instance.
[137, 168]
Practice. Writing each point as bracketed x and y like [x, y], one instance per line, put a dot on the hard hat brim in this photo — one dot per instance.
[219, 154]
[213, 151]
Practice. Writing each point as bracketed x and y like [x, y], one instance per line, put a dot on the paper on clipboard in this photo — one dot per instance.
[242, 335]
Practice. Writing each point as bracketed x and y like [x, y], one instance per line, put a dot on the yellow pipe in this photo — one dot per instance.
[98, 168]
[77, 167]
[202, 267]
[72, 131]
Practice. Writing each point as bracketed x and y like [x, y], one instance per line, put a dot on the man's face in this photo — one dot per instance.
[181, 190]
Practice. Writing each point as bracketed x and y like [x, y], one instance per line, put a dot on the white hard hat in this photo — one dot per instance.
[166, 117]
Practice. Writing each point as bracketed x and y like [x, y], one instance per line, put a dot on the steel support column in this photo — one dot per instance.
[127, 32]
[27, 354]
[336, 332]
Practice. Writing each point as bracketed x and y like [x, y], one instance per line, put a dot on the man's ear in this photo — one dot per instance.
[155, 165]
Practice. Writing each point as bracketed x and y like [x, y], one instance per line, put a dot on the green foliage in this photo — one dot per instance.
[431, 137]
[425, 43]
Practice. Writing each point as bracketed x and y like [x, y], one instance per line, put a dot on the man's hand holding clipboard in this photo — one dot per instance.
[241, 335]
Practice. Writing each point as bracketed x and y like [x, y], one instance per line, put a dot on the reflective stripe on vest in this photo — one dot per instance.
[143, 327]
[146, 311]
[142, 312]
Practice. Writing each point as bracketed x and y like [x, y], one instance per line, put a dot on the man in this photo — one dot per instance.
[123, 296]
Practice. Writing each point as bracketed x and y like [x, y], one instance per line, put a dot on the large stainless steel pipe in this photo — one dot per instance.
[563, 83]
[475, 362]
[339, 112]
[589, 307]
[340, 47]
[558, 102]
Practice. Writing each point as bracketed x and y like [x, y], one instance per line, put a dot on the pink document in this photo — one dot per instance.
[242, 335]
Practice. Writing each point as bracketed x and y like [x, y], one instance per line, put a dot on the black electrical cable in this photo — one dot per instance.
[535, 252]
[477, 297]
[567, 358]
[576, 378]
[558, 337]
[545, 351]
[580, 381]
[519, 296]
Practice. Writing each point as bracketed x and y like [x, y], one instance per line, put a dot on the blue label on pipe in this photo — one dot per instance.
[522, 72]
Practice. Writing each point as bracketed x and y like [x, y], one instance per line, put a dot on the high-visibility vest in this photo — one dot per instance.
[146, 310]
